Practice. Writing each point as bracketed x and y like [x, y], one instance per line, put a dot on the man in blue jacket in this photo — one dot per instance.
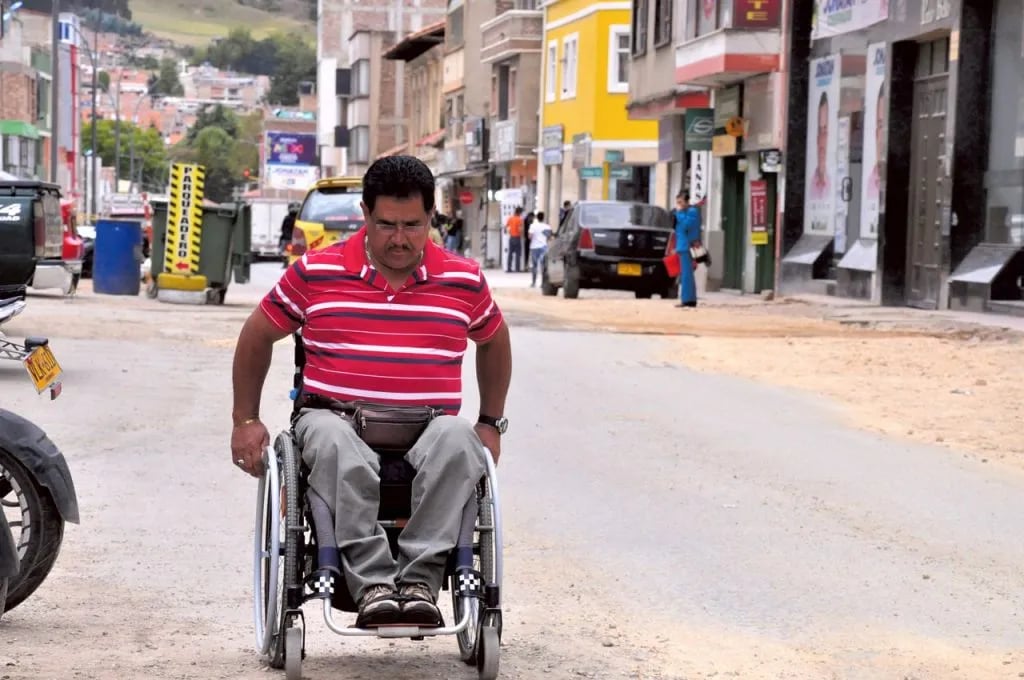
[688, 233]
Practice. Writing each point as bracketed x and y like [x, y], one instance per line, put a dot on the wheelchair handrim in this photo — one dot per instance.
[265, 578]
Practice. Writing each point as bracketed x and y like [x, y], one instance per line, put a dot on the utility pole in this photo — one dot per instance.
[95, 87]
[55, 91]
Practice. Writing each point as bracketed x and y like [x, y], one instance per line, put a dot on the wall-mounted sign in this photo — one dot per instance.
[591, 172]
[734, 126]
[700, 174]
[552, 141]
[724, 145]
[771, 160]
[756, 13]
[759, 212]
[699, 129]
[835, 17]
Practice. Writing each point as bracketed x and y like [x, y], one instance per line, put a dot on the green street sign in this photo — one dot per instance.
[591, 172]
[621, 172]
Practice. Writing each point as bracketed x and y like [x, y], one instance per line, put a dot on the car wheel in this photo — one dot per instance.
[643, 294]
[572, 282]
[670, 292]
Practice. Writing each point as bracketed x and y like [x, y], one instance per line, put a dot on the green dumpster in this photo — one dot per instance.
[225, 246]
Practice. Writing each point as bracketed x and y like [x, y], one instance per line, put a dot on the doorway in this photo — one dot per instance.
[734, 223]
[927, 175]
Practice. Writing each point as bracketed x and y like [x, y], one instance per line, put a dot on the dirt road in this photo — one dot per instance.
[755, 536]
[926, 380]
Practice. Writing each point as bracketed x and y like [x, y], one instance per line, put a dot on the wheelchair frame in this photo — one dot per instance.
[295, 560]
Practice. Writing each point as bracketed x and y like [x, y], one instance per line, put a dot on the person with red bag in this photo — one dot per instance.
[689, 251]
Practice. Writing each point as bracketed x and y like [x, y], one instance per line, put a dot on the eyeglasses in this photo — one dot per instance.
[404, 228]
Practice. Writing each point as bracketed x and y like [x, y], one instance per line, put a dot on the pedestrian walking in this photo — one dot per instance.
[539, 233]
[514, 227]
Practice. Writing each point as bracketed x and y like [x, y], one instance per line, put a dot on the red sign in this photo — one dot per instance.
[756, 13]
[465, 197]
[759, 212]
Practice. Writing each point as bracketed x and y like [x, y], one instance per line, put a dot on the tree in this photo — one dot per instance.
[296, 63]
[225, 144]
[103, 81]
[165, 82]
[150, 154]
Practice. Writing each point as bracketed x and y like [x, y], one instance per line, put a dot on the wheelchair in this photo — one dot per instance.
[296, 558]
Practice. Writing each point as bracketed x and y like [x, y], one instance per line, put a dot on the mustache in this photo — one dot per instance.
[398, 247]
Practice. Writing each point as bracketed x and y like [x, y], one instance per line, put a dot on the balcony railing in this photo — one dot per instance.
[512, 32]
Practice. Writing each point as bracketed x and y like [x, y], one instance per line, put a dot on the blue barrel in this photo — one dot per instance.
[117, 255]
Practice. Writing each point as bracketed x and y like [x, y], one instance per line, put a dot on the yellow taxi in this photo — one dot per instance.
[330, 213]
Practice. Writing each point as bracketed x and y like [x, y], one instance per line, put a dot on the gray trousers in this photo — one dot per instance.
[346, 473]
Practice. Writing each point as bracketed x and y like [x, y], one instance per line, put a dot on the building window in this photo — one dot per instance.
[453, 29]
[640, 26]
[526, 4]
[570, 59]
[552, 77]
[712, 15]
[618, 59]
[359, 145]
[662, 22]
[361, 78]
[512, 89]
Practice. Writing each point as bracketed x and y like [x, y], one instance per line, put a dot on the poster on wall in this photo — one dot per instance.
[874, 141]
[700, 174]
[822, 123]
[835, 17]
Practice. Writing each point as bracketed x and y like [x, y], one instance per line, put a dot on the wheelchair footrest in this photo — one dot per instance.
[323, 582]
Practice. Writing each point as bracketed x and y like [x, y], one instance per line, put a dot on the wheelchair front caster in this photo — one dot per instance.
[487, 652]
[293, 654]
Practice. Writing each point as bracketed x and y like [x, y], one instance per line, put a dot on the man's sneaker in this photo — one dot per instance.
[379, 607]
[418, 606]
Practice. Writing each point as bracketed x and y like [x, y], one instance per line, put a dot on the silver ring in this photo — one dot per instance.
[239, 461]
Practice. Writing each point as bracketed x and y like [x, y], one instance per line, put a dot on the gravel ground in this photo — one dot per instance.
[642, 541]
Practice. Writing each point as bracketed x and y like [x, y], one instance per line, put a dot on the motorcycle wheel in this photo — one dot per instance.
[36, 524]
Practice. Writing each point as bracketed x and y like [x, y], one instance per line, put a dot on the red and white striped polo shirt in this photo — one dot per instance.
[366, 342]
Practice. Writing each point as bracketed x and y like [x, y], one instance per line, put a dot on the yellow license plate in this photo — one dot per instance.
[43, 368]
[630, 269]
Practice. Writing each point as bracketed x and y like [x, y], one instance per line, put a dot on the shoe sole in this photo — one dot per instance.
[421, 615]
[385, 616]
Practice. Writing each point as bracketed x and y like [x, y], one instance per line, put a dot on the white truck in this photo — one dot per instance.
[267, 216]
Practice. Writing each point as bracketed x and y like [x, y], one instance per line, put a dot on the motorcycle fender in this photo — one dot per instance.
[9, 560]
[33, 449]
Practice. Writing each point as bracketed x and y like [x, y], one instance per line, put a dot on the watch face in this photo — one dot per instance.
[502, 425]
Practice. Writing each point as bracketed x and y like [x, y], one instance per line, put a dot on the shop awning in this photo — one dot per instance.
[18, 128]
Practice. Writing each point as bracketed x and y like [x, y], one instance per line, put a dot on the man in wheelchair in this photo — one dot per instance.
[385, 319]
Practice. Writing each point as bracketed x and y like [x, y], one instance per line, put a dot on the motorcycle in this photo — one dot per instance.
[37, 497]
[37, 494]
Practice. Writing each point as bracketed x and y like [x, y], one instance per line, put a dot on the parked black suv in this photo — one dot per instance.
[614, 245]
[31, 231]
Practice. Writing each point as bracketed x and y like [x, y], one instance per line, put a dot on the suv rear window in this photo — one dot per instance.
[332, 205]
[618, 214]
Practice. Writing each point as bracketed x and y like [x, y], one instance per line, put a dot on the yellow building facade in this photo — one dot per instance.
[589, 147]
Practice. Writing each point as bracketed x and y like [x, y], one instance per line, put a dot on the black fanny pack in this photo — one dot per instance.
[384, 427]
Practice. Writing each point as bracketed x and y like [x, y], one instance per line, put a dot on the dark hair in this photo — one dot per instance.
[398, 177]
[519, 210]
[684, 194]
[540, 216]
[566, 204]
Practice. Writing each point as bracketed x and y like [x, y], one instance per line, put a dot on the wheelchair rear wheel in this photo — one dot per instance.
[484, 562]
[276, 551]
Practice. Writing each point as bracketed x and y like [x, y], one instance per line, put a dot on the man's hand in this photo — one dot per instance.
[248, 442]
[490, 438]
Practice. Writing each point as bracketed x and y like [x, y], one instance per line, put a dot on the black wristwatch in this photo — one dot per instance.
[499, 424]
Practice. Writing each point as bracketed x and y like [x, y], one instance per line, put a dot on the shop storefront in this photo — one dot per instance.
[989, 277]
[899, 191]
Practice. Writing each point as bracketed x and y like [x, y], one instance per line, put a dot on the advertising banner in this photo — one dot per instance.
[290, 148]
[699, 129]
[700, 174]
[759, 212]
[874, 140]
[292, 176]
[835, 17]
[822, 123]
